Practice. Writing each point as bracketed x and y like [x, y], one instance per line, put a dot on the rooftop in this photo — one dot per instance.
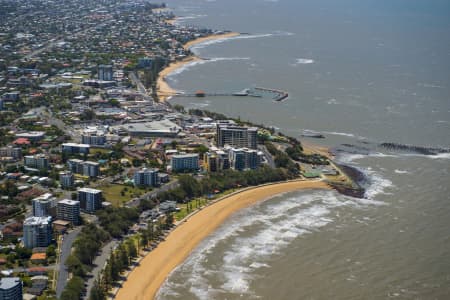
[89, 190]
[9, 282]
[38, 256]
[185, 155]
[33, 221]
[163, 126]
[76, 145]
[69, 202]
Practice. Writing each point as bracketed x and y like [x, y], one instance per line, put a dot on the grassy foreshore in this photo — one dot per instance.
[164, 90]
[145, 280]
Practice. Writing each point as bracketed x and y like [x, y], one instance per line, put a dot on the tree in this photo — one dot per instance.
[116, 266]
[51, 251]
[114, 102]
[144, 239]
[74, 265]
[169, 221]
[123, 256]
[97, 293]
[189, 185]
[87, 115]
[136, 162]
[73, 289]
[131, 249]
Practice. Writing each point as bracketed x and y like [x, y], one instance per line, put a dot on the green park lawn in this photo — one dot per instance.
[119, 194]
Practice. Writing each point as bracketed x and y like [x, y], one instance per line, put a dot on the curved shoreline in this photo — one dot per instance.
[145, 280]
[163, 89]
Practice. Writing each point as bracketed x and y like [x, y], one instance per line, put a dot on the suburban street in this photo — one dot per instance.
[63, 274]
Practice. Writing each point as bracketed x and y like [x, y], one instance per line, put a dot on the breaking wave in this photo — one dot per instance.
[238, 37]
[191, 64]
[304, 61]
[225, 262]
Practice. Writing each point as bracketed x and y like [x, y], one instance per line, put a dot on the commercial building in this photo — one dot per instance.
[38, 161]
[145, 62]
[211, 162]
[85, 168]
[69, 210]
[237, 158]
[32, 135]
[216, 160]
[236, 136]
[90, 199]
[9, 151]
[11, 288]
[244, 158]
[37, 232]
[105, 72]
[184, 162]
[163, 128]
[93, 138]
[74, 148]
[44, 205]
[66, 179]
[146, 177]
[91, 169]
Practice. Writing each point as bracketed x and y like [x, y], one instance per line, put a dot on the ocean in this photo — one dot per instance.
[362, 73]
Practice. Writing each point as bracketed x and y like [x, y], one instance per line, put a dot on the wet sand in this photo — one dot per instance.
[164, 90]
[145, 280]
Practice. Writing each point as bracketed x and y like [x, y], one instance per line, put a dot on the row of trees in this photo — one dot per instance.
[86, 247]
[117, 221]
[124, 256]
[190, 187]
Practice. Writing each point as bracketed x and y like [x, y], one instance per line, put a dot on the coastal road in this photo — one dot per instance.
[99, 263]
[140, 86]
[66, 248]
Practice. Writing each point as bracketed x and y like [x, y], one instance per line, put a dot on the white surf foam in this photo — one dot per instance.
[340, 133]
[347, 134]
[238, 37]
[189, 17]
[378, 184]
[349, 158]
[194, 63]
[248, 241]
[379, 154]
[435, 156]
[401, 171]
[304, 61]
[333, 101]
[440, 156]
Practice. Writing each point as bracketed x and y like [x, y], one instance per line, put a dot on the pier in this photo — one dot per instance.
[279, 94]
[257, 92]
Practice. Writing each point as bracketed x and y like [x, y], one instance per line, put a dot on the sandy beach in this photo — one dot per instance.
[310, 147]
[163, 89]
[145, 280]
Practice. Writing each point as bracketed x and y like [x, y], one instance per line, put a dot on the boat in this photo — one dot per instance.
[244, 92]
[312, 134]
